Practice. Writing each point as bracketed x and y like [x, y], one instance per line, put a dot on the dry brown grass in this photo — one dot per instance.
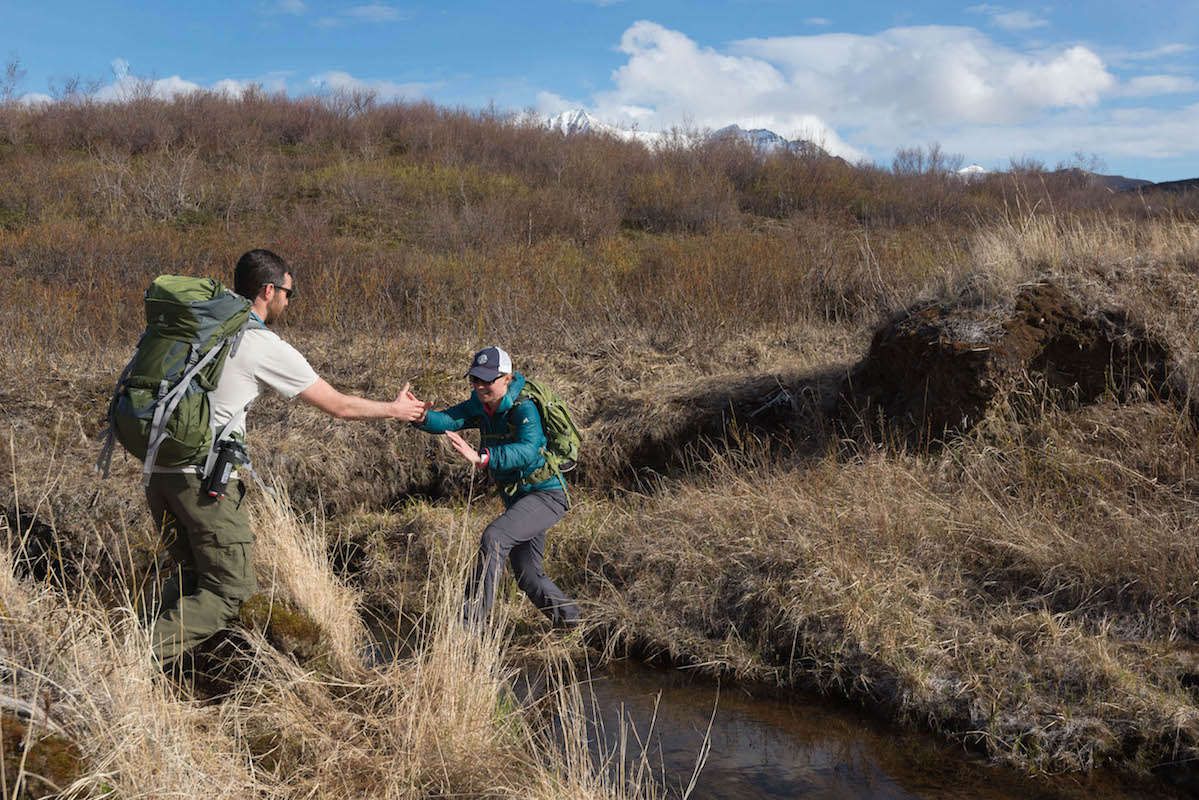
[1029, 588]
[1034, 593]
[444, 722]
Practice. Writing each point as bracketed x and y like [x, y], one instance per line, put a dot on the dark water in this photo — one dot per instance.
[799, 745]
[807, 747]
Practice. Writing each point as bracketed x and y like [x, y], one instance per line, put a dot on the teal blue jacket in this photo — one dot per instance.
[514, 440]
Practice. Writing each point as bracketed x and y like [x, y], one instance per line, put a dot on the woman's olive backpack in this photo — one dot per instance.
[562, 437]
[160, 410]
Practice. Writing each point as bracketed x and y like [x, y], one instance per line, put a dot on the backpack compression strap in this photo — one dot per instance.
[104, 462]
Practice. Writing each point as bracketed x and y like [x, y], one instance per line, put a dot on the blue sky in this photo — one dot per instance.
[991, 81]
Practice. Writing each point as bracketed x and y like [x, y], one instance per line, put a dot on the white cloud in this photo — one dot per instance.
[550, 104]
[668, 80]
[383, 89]
[231, 87]
[1152, 85]
[1018, 21]
[293, 7]
[869, 94]
[1173, 49]
[929, 73]
[899, 80]
[1124, 133]
[375, 12]
[127, 86]
[1008, 19]
[1128, 58]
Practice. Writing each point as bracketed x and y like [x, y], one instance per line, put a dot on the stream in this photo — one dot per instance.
[812, 747]
[768, 745]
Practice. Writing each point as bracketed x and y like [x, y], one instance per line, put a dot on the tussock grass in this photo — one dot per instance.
[91, 668]
[1029, 593]
[1146, 267]
[294, 564]
[445, 721]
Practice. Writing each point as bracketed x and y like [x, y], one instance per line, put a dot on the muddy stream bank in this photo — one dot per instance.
[764, 745]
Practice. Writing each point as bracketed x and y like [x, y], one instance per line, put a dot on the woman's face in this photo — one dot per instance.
[491, 393]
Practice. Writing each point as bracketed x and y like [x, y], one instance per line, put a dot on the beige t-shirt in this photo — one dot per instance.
[262, 360]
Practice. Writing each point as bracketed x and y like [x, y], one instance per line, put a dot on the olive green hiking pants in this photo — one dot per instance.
[212, 574]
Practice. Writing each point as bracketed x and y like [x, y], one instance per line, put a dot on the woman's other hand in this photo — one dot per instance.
[463, 447]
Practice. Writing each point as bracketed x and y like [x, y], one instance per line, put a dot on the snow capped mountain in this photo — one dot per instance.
[765, 141]
[576, 120]
[760, 138]
[972, 172]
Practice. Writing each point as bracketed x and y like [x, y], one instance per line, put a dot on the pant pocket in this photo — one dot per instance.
[240, 567]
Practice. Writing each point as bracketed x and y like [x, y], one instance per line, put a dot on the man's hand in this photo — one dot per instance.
[425, 406]
[464, 448]
[408, 407]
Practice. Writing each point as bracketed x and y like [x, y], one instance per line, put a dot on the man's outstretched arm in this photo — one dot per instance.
[347, 406]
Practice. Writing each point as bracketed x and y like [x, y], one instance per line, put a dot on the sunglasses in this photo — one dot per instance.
[474, 381]
[289, 292]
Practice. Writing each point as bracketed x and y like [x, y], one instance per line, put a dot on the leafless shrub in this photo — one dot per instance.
[159, 188]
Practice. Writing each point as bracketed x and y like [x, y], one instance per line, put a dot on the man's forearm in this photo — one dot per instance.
[354, 407]
[348, 406]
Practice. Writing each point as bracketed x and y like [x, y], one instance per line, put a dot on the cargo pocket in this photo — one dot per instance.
[226, 516]
[226, 569]
[245, 583]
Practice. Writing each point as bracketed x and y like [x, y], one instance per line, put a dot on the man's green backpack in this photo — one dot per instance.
[562, 437]
[160, 410]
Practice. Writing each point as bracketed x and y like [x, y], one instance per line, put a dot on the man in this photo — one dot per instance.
[210, 538]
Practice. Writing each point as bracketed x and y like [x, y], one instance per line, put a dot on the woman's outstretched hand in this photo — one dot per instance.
[463, 447]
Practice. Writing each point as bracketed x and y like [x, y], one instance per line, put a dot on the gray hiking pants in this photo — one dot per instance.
[519, 535]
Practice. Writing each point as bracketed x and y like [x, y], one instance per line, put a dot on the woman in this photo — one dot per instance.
[534, 494]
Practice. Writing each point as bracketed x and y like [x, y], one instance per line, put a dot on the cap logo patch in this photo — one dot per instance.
[482, 359]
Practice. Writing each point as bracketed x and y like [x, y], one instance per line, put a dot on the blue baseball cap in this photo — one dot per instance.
[490, 363]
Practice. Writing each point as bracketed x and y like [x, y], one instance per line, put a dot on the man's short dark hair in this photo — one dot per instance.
[257, 268]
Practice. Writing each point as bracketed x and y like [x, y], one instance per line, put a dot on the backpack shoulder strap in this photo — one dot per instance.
[251, 322]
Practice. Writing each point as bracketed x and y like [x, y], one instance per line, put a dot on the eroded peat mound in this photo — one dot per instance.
[932, 371]
[937, 370]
